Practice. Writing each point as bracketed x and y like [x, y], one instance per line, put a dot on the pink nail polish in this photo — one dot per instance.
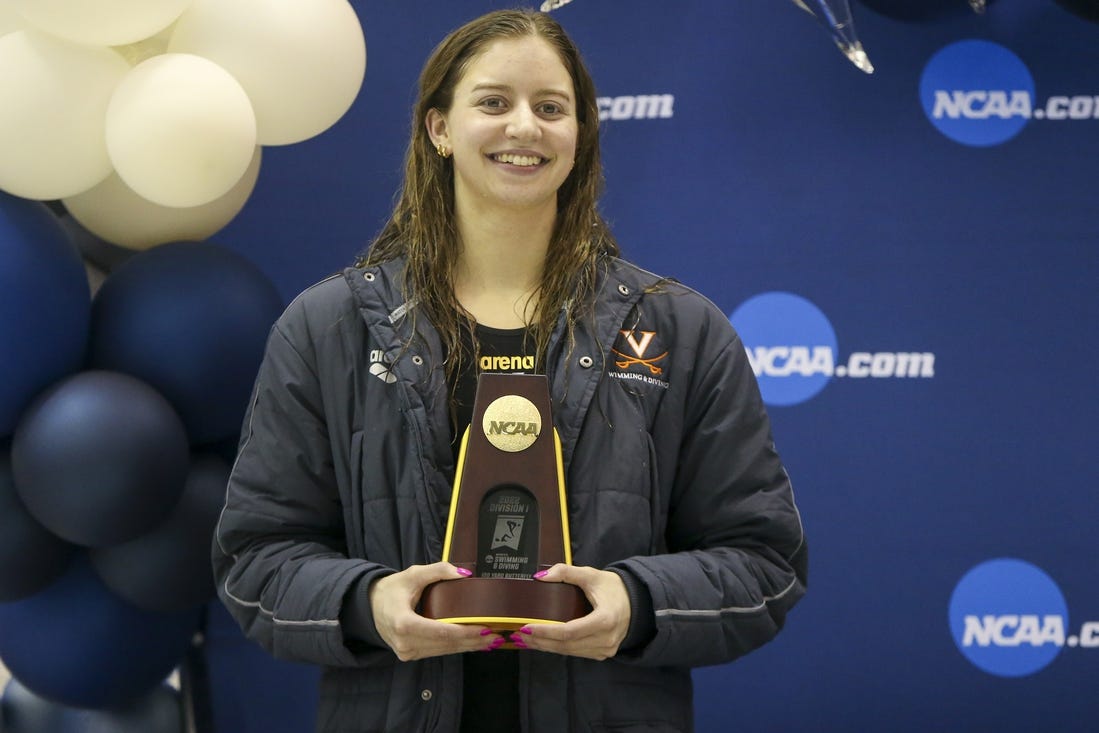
[520, 644]
[486, 632]
[526, 630]
[541, 574]
[496, 644]
[463, 572]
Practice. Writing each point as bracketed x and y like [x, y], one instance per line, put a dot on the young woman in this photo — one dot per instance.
[685, 536]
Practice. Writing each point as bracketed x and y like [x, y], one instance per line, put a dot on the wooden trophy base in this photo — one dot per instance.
[504, 604]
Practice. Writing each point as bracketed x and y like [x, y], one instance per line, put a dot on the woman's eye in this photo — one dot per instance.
[551, 108]
[493, 103]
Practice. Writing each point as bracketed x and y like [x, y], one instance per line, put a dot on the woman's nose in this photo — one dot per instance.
[523, 124]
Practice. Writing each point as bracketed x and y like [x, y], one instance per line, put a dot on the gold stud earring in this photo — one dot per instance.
[442, 151]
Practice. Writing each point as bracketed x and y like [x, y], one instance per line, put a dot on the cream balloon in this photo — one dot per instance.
[53, 98]
[301, 61]
[180, 130]
[115, 213]
[100, 22]
[146, 48]
[10, 20]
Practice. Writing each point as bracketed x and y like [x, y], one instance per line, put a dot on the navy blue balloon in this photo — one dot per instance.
[22, 711]
[45, 305]
[31, 557]
[191, 319]
[103, 254]
[78, 644]
[100, 459]
[169, 568]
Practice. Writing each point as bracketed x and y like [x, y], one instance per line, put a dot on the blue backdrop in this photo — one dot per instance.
[912, 258]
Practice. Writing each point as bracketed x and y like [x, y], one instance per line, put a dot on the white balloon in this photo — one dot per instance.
[53, 99]
[115, 213]
[100, 22]
[138, 51]
[10, 20]
[301, 61]
[180, 130]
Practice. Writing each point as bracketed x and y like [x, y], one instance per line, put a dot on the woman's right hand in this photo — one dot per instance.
[393, 601]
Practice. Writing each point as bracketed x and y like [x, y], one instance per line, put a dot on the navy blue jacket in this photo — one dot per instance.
[345, 470]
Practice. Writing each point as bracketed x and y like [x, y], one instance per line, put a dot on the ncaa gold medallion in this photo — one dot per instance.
[512, 423]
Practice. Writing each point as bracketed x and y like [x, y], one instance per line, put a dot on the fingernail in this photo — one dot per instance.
[520, 645]
[526, 630]
[464, 572]
[486, 632]
[496, 644]
[516, 638]
[541, 574]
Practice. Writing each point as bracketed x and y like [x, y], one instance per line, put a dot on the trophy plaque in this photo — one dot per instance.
[508, 517]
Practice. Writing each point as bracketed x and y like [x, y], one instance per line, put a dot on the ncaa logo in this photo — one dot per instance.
[977, 93]
[793, 350]
[1008, 617]
[790, 343]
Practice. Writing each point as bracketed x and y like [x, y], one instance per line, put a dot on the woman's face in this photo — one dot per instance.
[512, 127]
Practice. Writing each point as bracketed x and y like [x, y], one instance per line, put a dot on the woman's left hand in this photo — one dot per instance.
[595, 636]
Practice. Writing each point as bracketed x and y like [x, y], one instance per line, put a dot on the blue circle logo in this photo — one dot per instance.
[1008, 617]
[977, 93]
[790, 344]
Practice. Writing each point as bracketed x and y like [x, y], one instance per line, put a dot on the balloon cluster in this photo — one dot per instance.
[142, 123]
[118, 418]
[147, 118]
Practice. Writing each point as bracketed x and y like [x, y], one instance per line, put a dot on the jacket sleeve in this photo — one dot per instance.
[737, 559]
[279, 554]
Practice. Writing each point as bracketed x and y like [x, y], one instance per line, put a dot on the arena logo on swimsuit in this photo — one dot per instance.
[1009, 618]
[793, 350]
[981, 94]
[507, 363]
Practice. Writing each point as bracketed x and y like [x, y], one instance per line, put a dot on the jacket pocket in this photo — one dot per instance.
[630, 699]
[354, 700]
[612, 481]
[377, 509]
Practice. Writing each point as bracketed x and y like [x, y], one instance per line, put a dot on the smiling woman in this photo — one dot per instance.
[685, 541]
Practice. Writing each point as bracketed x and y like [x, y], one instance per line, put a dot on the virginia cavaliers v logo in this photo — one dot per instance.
[639, 346]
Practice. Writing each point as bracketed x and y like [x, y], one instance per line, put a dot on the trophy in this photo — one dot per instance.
[508, 517]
